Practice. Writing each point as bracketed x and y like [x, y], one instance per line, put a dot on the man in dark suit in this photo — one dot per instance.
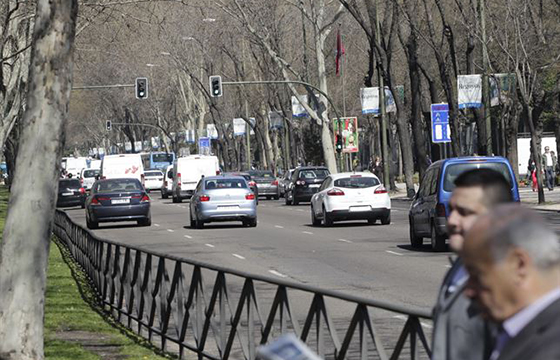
[513, 261]
[459, 332]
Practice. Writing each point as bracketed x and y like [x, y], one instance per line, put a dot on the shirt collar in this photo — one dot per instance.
[517, 322]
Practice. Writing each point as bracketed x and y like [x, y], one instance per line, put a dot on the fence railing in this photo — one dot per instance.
[166, 300]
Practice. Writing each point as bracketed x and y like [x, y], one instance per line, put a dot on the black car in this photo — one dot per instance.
[305, 182]
[118, 200]
[70, 193]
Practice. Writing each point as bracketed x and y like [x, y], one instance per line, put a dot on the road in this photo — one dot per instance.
[353, 257]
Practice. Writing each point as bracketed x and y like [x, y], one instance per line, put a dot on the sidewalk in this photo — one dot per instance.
[528, 197]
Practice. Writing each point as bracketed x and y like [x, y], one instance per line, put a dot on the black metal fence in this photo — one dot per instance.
[166, 300]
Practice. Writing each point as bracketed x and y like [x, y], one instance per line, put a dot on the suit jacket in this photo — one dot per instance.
[539, 340]
[459, 331]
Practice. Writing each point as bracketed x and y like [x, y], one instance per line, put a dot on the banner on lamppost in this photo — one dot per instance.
[211, 131]
[469, 90]
[349, 128]
[253, 123]
[370, 100]
[190, 136]
[239, 126]
[501, 88]
[297, 108]
[275, 120]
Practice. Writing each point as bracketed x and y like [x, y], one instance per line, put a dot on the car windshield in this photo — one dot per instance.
[118, 185]
[91, 173]
[153, 174]
[168, 158]
[262, 174]
[69, 184]
[314, 174]
[356, 182]
[225, 184]
[453, 171]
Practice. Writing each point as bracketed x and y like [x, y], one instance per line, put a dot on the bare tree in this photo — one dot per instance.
[25, 247]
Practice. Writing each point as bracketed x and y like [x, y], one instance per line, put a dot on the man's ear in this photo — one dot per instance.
[521, 264]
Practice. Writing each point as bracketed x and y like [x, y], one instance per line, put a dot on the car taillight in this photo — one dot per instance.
[252, 183]
[380, 190]
[250, 197]
[218, 172]
[275, 183]
[204, 198]
[300, 182]
[96, 200]
[82, 191]
[335, 192]
[440, 210]
[145, 198]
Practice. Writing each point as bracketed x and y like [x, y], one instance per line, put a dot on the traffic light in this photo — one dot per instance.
[216, 86]
[108, 125]
[141, 88]
[338, 143]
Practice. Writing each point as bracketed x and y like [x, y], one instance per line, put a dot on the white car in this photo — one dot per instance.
[88, 177]
[351, 196]
[153, 180]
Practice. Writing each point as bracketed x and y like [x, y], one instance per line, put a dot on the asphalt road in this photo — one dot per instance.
[373, 261]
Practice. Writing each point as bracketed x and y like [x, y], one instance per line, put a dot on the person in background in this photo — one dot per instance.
[554, 166]
[459, 332]
[513, 261]
[548, 166]
[377, 168]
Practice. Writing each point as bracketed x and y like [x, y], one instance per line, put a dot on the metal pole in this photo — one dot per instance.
[248, 135]
[485, 83]
[384, 147]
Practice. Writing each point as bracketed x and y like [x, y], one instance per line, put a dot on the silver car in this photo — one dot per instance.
[223, 198]
[266, 183]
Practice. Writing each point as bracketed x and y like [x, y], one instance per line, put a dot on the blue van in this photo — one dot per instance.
[430, 207]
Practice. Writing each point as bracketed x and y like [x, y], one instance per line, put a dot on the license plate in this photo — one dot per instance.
[67, 194]
[314, 185]
[228, 207]
[360, 208]
[120, 201]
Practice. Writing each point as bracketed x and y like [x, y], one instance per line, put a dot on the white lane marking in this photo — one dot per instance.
[188, 236]
[181, 206]
[274, 272]
[170, 230]
[299, 210]
[346, 241]
[307, 232]
[448, 266]
[238, 256]
[156, 225]
[278, 226]
[394, 253]
[209, 245]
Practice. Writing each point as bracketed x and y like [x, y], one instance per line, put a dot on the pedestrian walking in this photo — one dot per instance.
[548, 166]
[377, 168]
[459, 332]
[513, 261]
[554, 167]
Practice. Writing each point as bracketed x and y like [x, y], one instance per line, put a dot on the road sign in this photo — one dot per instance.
[441, 133]
[204, 145]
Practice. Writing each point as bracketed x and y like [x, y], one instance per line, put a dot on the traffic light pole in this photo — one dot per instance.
[95, 87]
[284, 82]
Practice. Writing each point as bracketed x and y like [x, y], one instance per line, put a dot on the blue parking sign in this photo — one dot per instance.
[204, 145]
[441, 133]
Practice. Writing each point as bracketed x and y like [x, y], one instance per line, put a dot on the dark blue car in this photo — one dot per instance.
[430, 207]
[118, 200]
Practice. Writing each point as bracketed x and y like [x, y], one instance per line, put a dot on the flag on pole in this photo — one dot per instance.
[339, 51]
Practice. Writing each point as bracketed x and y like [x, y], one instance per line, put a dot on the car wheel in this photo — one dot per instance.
[164, 195]
[437, 241]
[175, 200]
[287, 199]
[371, 221]
[91, 224]
[193, 223]
[179, 199]
[295, 201]
[386, 219]
[314, 220]
[145, 222]
[415, 240]
[251, 222]
[199, 224]
[276, 197]
[327, 221]
[83, 205]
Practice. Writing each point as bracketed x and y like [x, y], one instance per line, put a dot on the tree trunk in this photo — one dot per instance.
[25, 247]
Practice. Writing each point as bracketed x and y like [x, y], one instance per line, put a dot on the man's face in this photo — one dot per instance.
[546, 149]
[465, 205]
[491, 284]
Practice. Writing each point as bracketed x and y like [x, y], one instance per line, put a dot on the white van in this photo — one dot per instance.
[167, 187]
[187, 172]
[122, 166]
[88, 177]
[74, 165]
